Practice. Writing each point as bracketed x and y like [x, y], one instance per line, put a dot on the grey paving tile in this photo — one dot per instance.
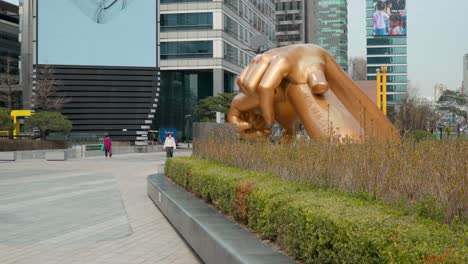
[85, 211]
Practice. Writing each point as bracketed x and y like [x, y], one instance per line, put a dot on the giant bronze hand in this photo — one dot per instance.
[304, 82]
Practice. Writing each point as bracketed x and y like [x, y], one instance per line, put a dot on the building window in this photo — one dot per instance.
[390, 69]
[190, 21]
[386, 41]
[229, 79]
[382, 51]
[386, 60]
[393, 79]
[186, 50]
[231, 54]
[231, 26]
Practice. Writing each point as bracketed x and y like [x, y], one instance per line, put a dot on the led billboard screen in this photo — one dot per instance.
[97, 32]
[389, 18]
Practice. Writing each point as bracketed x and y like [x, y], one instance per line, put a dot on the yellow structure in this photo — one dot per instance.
[382, 89]
[303, 83]
[15, 116]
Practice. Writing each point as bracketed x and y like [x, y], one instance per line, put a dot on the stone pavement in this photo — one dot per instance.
[89, 210]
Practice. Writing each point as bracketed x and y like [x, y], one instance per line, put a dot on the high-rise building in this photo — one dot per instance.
[290, 22]
[465, 75]
[327, 26]
[387, 45]
[322, 22]
[204, 44]
[101, 56]
[10, 47]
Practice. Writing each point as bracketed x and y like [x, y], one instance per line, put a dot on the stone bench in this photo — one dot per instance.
[8, 156]
[214, 237]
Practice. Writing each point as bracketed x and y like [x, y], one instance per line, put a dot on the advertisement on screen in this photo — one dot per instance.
[389, 18]
[97, 32]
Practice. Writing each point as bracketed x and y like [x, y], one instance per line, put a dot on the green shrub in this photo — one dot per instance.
[316, 225]
[5, 121]
[49, 122]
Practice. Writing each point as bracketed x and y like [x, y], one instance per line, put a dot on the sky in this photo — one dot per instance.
[437, 40]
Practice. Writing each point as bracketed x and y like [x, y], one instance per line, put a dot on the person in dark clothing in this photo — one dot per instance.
[398, 4]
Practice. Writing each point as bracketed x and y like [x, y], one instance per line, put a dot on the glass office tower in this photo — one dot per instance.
[327, 27]
[322, 22]
[387, 45]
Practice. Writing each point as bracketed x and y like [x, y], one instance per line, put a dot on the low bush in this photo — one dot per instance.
[316, 225]
[5, 121]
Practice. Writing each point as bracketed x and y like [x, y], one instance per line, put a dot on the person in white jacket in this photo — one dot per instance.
[169, 145]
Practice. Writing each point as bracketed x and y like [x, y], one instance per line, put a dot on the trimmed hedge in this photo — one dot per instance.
[318, 226]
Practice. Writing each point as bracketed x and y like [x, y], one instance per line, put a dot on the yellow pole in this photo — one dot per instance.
[15, 114]
[377, 94]
[384, 89]
[15, 127]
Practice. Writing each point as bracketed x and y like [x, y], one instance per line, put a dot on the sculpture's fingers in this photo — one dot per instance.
[271, 80]
[256, 133]
[241, 125]
[317, 80]
[242, 78]
[239, 112]
[256, 70]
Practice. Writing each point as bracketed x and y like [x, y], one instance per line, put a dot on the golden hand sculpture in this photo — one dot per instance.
[304, 83]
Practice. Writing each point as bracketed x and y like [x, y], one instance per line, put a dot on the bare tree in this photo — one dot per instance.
[45, 96]
[358, 68]
[412, 115]
[9, 86]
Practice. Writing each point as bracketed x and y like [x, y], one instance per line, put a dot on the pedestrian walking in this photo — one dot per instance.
[107, 146]
[169, 145]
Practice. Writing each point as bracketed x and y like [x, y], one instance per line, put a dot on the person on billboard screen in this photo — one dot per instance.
[381, 19]
[388, 9]
[396, 25]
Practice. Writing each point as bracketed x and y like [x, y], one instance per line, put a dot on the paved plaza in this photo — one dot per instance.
[89, 210]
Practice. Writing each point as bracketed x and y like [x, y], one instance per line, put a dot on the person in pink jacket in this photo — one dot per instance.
[107, 146]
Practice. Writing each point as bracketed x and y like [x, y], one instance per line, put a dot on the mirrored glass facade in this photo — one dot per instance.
[182, 90]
